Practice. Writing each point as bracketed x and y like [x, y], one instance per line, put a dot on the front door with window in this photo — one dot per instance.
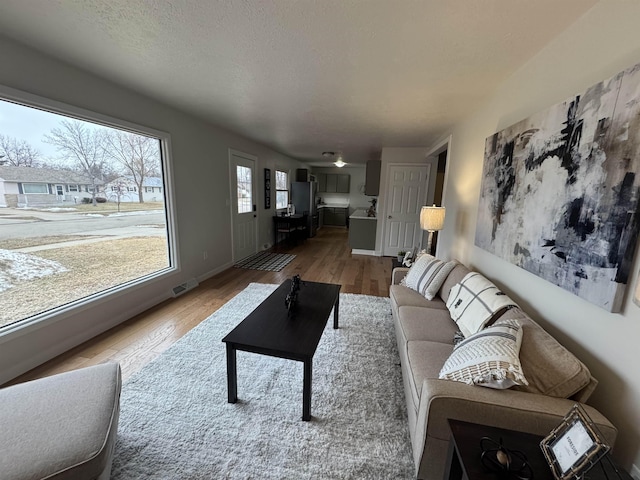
[60, 192]
[243, 205]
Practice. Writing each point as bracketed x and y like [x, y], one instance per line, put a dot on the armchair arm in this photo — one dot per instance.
[398, 274]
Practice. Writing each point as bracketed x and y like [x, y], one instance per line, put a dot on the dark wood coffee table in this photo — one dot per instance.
[269, 330]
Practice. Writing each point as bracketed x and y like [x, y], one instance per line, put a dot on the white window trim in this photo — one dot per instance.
[44, 319]
[288, 172]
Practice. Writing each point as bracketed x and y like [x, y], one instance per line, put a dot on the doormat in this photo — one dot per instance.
[273, 262]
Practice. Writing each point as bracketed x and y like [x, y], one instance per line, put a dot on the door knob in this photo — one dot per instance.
[389, 217]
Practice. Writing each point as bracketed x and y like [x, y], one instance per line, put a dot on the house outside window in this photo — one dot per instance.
[282, 189]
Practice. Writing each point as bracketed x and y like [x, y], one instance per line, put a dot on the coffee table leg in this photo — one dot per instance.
[336, 307]
[306, 390]
[232, 379]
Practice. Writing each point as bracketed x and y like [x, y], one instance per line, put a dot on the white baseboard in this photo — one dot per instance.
[357, 251]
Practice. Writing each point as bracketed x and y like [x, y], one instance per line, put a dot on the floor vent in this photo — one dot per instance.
[184, 287]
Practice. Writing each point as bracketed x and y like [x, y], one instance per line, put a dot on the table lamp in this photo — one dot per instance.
[431, 220]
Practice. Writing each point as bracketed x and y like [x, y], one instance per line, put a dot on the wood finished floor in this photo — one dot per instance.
[136, 342]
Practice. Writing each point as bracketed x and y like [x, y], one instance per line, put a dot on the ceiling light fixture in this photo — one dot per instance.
[339, 163]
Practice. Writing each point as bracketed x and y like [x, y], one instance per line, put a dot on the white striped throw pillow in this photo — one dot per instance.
[427, 275]
[489, 358]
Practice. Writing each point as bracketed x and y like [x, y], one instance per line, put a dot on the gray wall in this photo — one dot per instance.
[600, 44]
[200, 153]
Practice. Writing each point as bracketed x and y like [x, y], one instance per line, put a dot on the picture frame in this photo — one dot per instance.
[574, 446]
[267, 188]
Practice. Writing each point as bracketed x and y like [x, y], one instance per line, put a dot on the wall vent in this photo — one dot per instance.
[184, 287]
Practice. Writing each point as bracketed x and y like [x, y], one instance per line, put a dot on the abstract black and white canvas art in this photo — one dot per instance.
[559, 193]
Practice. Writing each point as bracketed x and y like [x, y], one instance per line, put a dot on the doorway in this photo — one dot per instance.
[407, 193]
[243, 204]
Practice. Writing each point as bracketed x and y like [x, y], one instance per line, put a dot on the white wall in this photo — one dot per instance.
[201, 179]
[602, 43]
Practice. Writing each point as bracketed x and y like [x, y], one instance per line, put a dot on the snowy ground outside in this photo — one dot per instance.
[18, 267]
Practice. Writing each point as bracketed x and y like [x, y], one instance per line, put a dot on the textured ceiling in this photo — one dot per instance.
[302, 77]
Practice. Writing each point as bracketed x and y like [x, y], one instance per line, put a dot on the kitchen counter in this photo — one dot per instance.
[362, 231]
[361, 213]
[334, 205]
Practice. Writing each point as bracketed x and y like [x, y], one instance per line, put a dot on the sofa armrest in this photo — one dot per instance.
[511, 409]
[398, 274]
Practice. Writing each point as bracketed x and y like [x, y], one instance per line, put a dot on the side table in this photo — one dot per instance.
[394, 263]
[463, 460]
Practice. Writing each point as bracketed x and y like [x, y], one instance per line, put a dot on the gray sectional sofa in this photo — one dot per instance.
[425, 335]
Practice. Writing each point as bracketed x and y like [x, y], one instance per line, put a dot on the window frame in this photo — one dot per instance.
[281, 190]
[242, 203]
[29, 184]
[43, 319]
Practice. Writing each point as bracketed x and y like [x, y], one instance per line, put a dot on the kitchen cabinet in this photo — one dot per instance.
[322, 182]
[335, 216]
[302, 175]
[372, 178]
[333, 182]
[342, 183]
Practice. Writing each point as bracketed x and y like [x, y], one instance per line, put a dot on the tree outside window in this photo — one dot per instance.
[282, 189]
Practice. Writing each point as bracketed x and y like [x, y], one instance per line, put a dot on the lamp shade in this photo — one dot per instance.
[432, 218]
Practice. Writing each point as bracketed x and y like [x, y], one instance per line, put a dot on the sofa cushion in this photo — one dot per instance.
[427, 274]
[403, 296]
[549, 367]
[456, 276]
[474, 302]
[425, 361]
[419, 323]
[61, 427]
[489, 358]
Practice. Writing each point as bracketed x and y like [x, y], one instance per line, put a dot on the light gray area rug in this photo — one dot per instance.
[175, 422]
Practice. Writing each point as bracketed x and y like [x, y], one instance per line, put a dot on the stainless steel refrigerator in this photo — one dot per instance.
[303, 198]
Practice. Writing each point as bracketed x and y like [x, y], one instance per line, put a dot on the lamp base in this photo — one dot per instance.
[429, 242]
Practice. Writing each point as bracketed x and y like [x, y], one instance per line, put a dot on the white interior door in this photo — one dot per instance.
[406, 194]
[243, 188]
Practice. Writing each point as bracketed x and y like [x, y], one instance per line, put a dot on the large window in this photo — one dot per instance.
[35, 188]
[282, 189]
[68, 246]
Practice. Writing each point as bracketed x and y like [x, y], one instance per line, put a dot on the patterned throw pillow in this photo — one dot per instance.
[490, 358]
[427, 275]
